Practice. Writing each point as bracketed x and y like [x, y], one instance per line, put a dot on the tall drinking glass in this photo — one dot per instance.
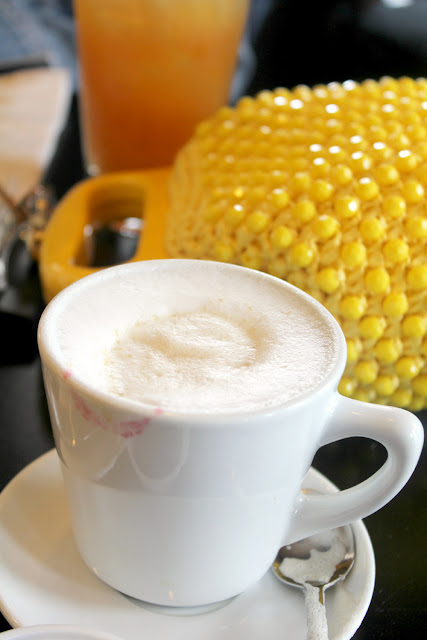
[150, 71]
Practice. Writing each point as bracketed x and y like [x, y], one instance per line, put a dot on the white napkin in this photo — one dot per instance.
[33, 109]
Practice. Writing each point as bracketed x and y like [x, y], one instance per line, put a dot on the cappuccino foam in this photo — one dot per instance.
[227, 347]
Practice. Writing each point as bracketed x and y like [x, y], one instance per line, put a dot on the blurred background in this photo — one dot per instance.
[286, 42]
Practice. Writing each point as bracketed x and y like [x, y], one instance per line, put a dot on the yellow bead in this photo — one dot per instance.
[281, 237]
[278, 268]
[396, 250]
[413, 191]
[352, 307]
[256, 194]
[417, 277]
[225, 127]
[304, 210]
[417, 403]
[337, 156]
[346, 206]
[399, 140]
[386, 174]
[414, 326]
[408, 367]
[257, 221]
[203, 128]
[333, 125]
[388, 350]
[416, 227]
[303, 92]
[278, 177]
[366, 371]
[316, 150]
[407, 87]
[366, 189]
[394, 206]
[239, 192]
[406, 161]
[354, 347]
[300, 182]
[360, 162]
[372, 327]
[419, 384]
[377, 280]
[263, 115]
[421, 149]
[213, 213]
[235, 215]
[395, 304]
[280, 198]
[422, 173]
[385, 385]
[380, 151]
[251, 261]
[320, 167]
[223, 252]
[353, 254]
[302, 255]
[401, 398]
[364, 395]
[342, 174]
[358, 142]
[387, 83]
[224, 113]
[328, 279]
[372, 229]
[321, 190]
[379, 135]
[325, 227]
[424, 348]
[265, 98]
[246, 111]
[347, 386]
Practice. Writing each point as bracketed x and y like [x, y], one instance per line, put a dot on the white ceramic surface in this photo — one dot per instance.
[44, 581]
[161, 499]
[56, 632]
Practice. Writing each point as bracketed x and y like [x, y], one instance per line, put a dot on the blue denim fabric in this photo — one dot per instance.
[35, 33]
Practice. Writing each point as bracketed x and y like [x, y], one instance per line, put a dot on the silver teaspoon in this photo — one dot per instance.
[315, 564]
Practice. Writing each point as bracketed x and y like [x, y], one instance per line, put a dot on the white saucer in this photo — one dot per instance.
[55, 632]
[44, 581]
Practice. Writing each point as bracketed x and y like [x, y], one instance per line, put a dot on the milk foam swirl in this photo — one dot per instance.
[219, 358]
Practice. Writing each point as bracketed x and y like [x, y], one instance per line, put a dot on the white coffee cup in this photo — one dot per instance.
[185, 506]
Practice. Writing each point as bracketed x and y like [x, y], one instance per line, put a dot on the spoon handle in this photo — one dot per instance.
[317, 624]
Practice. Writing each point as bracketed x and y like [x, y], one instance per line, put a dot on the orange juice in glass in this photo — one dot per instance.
[150, 71]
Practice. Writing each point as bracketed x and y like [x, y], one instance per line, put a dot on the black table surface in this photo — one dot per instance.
[398, 531]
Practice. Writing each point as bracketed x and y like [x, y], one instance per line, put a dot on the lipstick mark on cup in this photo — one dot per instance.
[125, 428]
[67, 374]
[86, 412]
[130, 428]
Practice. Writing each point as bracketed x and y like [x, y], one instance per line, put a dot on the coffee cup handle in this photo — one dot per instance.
[399, 431]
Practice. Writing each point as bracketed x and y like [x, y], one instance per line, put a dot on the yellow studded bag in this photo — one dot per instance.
[325, 188]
